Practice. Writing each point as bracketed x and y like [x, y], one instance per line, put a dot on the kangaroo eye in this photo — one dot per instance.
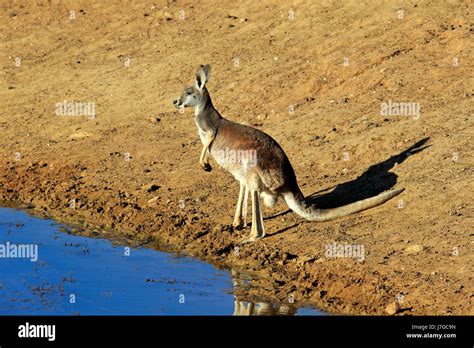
[188, 93]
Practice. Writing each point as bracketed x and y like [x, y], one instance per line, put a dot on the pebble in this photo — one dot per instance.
[412, 249]
[392, 308]
[151, 187]
[154, 119]
[153, 200]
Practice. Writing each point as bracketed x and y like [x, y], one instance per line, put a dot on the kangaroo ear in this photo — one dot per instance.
[202, 76]
[207, 71]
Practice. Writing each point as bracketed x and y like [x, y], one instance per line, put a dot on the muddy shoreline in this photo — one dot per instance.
[336, 286]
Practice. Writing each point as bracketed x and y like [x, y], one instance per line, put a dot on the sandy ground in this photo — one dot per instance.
[314, 79]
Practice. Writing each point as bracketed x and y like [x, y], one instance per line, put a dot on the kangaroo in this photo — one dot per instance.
[268, 175]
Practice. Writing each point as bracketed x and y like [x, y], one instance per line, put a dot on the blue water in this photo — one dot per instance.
[76, 275]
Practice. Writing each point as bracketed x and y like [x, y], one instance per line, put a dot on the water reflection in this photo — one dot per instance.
[247, 308]
[260, 308]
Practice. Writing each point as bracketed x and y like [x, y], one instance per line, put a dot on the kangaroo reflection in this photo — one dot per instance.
[257, 308]
[260, 308]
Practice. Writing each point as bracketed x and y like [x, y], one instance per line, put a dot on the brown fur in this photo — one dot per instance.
[273, 166]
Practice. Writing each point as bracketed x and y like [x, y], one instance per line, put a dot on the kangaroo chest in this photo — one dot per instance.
[202, 133]
[205, 123]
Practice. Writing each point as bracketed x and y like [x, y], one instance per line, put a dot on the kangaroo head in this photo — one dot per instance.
[193, 95]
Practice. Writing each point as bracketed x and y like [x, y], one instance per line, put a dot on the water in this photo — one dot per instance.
[76, 275]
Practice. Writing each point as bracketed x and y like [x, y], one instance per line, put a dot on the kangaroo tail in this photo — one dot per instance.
[296, 202]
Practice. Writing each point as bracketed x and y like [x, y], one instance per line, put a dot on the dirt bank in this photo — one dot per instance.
[315, 82]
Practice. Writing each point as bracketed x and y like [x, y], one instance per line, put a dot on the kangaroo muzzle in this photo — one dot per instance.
[177, 103]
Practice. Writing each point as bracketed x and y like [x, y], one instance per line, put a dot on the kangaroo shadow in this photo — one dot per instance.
[373, 181]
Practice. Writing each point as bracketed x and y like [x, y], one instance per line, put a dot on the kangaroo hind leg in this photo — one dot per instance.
[257, 231]
[240, 218]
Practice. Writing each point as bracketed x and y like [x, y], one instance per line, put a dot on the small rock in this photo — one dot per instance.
[392, 308]
[305, 259]
[151, 187]
[154, 119]
[153, 200]
[322, 293]
[164, 15]
[412, 249]
[288, 256]
[80, 135]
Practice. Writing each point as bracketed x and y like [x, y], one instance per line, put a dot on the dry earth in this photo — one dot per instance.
[133, 168]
